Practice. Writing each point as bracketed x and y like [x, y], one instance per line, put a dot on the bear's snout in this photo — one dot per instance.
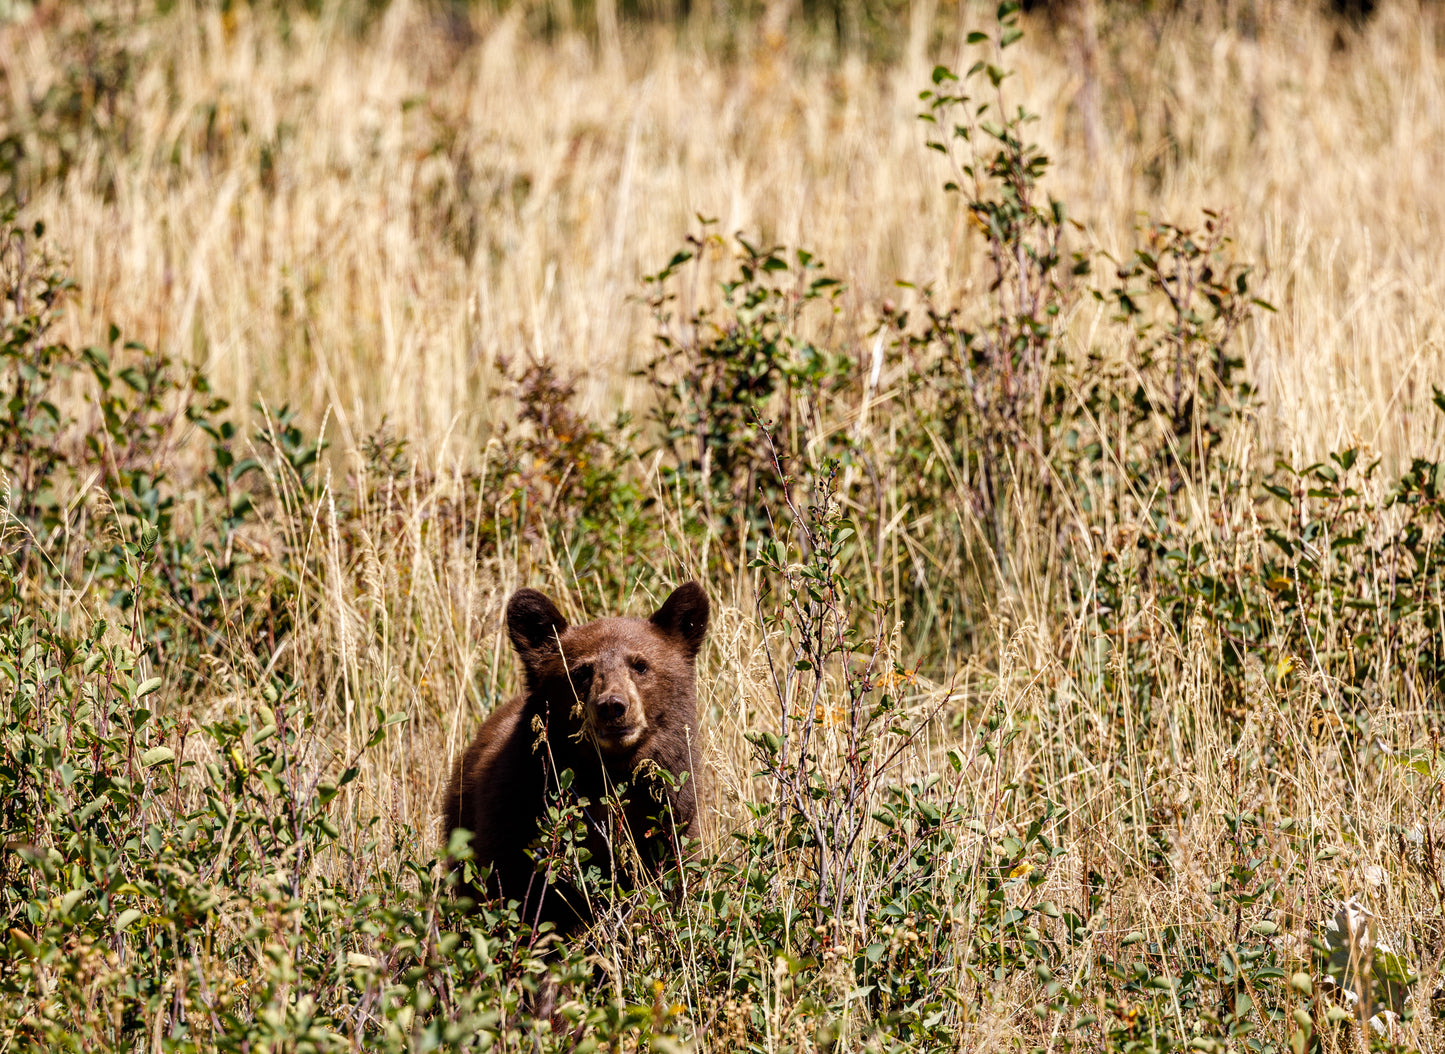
[611, 710]
[615, 715]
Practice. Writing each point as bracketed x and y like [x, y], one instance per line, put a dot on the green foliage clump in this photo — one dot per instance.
[720, 374]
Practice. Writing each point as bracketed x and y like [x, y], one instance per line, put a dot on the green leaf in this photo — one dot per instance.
[126, 917]
[28, 946]
[146, 687]
[156, 756]
[244, 466]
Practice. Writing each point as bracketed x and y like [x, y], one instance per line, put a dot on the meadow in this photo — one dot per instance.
[1047, 401]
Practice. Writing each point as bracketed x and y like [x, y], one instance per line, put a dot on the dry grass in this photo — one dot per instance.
[363, 226]
[428, 205]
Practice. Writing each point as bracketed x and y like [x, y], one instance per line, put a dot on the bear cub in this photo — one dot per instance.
[614, 701]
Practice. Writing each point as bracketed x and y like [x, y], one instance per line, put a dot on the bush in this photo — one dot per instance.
[731, 383]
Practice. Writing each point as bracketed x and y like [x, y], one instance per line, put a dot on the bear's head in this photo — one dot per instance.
[625, 678]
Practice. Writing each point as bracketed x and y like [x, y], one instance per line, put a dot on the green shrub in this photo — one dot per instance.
[721, 374]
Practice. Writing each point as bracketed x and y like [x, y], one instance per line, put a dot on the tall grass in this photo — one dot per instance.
[1076, 757]
[367, 222]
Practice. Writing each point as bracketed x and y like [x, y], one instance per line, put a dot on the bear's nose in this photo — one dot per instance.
[611, 709]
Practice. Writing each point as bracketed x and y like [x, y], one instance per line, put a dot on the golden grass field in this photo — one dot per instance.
[333, 278]
[363, 223]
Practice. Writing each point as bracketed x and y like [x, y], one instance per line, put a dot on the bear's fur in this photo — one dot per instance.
[613, 701]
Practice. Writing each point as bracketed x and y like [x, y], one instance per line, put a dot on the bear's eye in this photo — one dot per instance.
[581, 677]
[639, 665]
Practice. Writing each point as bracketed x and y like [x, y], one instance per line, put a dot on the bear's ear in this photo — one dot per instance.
[534, 624]
[684, 616]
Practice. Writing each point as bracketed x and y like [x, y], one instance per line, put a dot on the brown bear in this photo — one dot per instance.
[615, 703]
